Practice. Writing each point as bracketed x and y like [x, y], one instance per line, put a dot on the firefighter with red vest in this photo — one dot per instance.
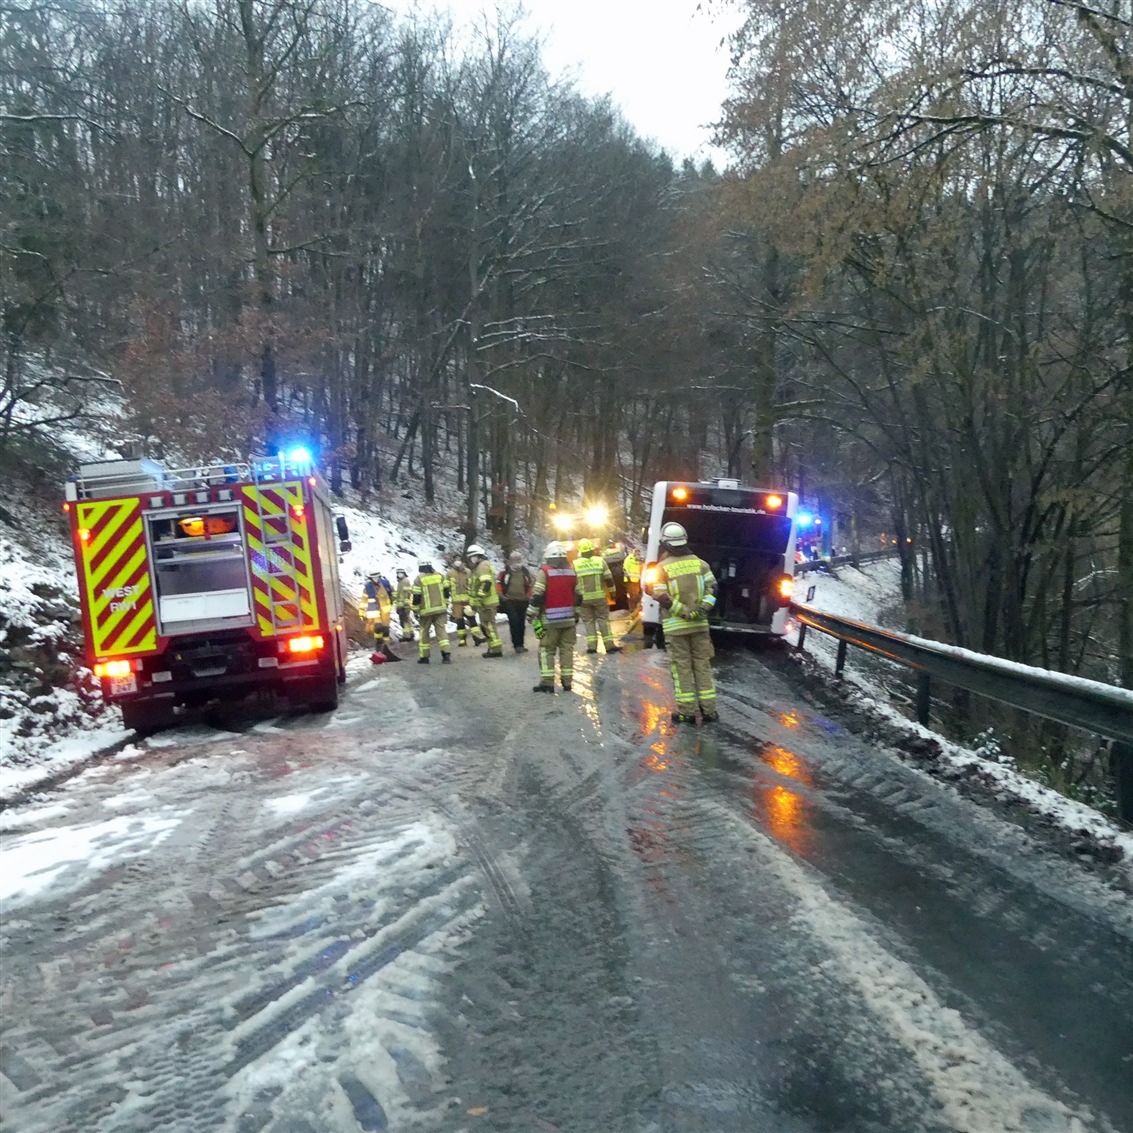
[553, 610]
[685, 589]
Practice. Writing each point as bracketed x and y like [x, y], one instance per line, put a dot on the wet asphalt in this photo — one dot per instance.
[455, 905]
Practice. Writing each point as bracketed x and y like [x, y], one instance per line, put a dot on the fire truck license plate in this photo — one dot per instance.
[128, 683]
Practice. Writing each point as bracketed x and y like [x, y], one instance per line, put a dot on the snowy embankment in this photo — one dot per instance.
[871, 595]
[51, 714]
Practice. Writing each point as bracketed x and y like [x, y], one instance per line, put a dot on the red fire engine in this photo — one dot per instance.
[210, 581]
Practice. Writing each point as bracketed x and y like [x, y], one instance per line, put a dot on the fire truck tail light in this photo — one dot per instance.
[785, 587]
[774, 502]
[84, 534]
[113, 669]
[297, 512]
[680, 493]
[308, 643]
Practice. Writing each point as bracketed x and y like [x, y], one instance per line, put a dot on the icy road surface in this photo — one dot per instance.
[456, 905]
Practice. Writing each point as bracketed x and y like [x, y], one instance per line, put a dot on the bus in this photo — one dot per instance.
[746, 535]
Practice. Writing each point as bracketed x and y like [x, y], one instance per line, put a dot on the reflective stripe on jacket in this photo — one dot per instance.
[430, 594]
[692, 586]
[404, 595]
[555, 593]
[593, 577]
[457, 579]
[483, 589]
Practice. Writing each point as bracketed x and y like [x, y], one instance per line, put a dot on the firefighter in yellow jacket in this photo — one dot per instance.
[430, 600]
[458, 579]
[403, 603]
[594, 578]
[484, 598]
[685, 589]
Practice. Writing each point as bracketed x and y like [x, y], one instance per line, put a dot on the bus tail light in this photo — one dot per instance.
[784, 589]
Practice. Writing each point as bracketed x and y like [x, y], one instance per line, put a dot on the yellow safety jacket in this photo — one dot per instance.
[632, 568]
[458, 579]
[483, 585]
[593, 577]
[403, 593]
[692, 586]
[430, 594]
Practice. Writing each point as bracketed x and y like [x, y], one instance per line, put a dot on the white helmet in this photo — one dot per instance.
[475, 550]
[425, 566]
[554, 550]
[673, 535]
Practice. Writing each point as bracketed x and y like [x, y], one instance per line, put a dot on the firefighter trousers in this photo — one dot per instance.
[427, 624]
[405, 618]
[596, 622]
[690, 658]
[465, 619]
[558, 641]
[488, 626]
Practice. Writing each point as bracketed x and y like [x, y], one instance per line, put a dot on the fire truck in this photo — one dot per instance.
[211, 581]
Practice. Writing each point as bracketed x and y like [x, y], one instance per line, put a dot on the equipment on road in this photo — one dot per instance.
[207, 581]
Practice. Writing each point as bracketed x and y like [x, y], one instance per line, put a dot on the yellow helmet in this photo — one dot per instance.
[585, 546]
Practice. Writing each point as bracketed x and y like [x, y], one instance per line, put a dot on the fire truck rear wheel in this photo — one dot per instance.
[319, 695]
[147, 716]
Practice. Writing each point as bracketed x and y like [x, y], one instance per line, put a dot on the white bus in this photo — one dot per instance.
[746, 535]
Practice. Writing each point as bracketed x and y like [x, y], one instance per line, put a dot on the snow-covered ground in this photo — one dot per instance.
[871, 595]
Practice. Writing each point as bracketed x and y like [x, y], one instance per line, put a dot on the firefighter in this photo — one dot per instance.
[513, 584]
[593, 580]
[375, 611]
[685, 589]
[403, 602]
[458, 578]
[633, 579]
[554, 612]
[430, 600]
[615, 556]
[485, 601]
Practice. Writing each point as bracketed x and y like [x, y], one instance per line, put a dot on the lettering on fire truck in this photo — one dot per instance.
[119, 594]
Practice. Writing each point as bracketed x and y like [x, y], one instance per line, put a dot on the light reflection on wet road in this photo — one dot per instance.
[452, 905]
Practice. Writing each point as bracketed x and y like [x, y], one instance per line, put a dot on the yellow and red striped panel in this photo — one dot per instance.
[116, 577]
[283, 575]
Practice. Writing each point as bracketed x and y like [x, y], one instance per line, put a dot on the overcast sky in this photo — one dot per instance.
[659, 60]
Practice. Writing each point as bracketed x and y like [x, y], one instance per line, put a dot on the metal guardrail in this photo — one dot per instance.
[1101, 709]
[843, 560]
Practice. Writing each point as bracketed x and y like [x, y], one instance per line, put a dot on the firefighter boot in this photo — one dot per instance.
[612, 647]
[682, 718]
[446, 658]
[422, 660]
[543, 688]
